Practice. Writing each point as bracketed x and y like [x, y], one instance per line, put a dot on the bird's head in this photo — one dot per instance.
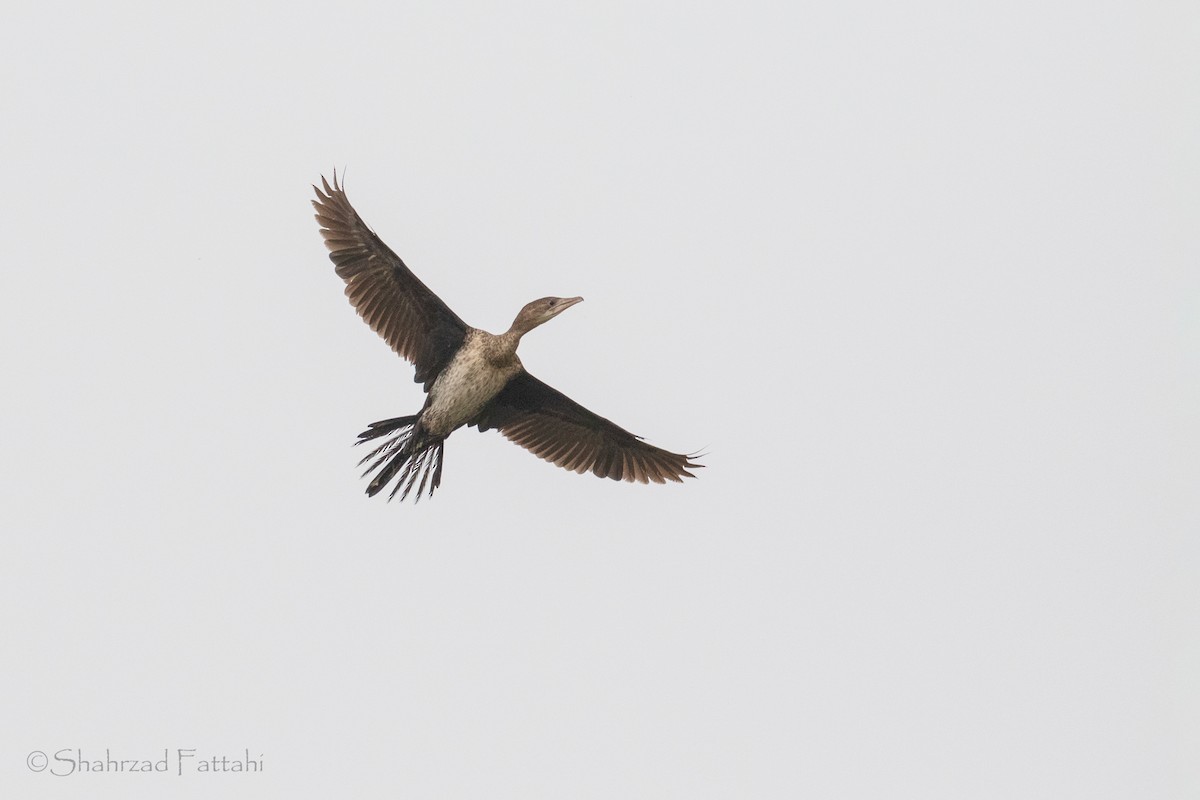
[543, 310]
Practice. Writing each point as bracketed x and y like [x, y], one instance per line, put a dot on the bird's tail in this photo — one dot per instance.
[408, 451]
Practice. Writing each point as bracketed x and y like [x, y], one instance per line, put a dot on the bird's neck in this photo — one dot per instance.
[500, 347]
[517, 330]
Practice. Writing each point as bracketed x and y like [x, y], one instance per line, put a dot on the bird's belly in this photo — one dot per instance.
[462, 390]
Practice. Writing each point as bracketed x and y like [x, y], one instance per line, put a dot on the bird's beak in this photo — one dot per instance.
[563, 304]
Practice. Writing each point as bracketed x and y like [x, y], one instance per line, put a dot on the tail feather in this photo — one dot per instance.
[408, 451]
[386, 426]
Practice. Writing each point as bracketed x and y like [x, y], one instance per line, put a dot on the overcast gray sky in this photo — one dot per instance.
[921, 279]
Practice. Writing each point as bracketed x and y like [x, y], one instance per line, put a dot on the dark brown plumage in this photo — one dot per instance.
[471, 377]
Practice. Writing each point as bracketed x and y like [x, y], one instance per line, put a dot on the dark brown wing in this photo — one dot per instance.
[554, 427]
[401, 309]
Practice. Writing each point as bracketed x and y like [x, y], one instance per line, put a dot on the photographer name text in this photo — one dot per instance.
[178, 761]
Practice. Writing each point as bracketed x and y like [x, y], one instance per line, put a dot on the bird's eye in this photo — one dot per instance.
[549, 304]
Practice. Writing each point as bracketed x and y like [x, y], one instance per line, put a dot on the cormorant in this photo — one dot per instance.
[471, 377]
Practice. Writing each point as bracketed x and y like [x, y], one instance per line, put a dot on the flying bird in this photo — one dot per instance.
[471, 377]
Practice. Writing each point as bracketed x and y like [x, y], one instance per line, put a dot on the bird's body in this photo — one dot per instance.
[471, 377]
[479, 370]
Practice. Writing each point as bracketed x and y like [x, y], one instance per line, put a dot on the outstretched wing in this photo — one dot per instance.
[385, 292]
[554, 427]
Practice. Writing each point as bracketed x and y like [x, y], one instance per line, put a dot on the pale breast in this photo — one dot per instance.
[478, 371]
